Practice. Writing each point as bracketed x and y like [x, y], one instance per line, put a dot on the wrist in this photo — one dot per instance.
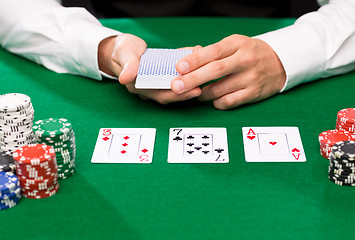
[105, 50]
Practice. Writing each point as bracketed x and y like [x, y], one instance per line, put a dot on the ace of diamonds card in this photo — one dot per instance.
[124, 145]
[273, 144]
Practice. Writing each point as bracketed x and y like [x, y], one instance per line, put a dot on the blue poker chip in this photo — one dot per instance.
[10, 200]
[9, 203]
[15, 193]
[8, 183]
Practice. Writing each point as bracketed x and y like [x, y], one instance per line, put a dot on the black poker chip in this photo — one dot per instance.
[341, 169]
[7, 163]
[338, 164]
[338, 182]
[342, 177]
[344, 172]
[344, 150]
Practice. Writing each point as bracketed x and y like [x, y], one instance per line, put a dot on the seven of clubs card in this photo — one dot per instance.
[198, 145]
[273, 144]
[124, 145]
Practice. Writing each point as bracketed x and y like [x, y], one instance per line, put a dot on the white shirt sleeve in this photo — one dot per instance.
[64, 40]
[319, 44]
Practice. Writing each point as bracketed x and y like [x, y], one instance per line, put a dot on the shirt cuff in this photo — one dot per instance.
[84, 50]
[105, 75]
[299, 49]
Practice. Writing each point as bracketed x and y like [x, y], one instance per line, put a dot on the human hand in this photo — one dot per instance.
[251, 70]
[119, 56]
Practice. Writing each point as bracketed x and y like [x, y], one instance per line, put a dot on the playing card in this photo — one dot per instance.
[273, 144]
[157, 68]
[198, 145]
[124, 145]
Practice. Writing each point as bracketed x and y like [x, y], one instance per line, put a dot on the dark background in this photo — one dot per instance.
[298, 7]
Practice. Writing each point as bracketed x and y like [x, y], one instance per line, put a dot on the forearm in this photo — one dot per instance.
[64, 40]
[318, 45]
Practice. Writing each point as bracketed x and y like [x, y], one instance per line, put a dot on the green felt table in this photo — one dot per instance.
[237, 200]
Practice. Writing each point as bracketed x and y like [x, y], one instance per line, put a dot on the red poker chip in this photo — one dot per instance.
[33, 183]
[324, 154]
[33, 154]
[344, 124]
[34, 168]
[346, 127]
[328, 138]
[52, 166]
[35, 176]
[37, 170]
[40, 187]
[50, 163]
[325, 151]
[38, 194]
[346, 115]
[334, 136]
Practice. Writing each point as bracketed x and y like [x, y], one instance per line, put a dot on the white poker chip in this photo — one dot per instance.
[13, 102]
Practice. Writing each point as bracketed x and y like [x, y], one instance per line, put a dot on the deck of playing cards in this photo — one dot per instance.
[157, 67]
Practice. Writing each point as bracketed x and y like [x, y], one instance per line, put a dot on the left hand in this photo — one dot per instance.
[251, 70]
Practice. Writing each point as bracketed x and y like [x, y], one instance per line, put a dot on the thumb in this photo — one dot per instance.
[129, 71]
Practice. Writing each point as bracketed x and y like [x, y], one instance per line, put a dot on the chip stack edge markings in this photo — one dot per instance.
[58, 133]
[16, 120]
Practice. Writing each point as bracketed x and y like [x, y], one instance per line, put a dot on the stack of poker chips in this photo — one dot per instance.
[346, 120]
[342, 163]
[10, 190]
[36, 168]
[58, 133]
[16, 119]
[7, 163]
[328, 138]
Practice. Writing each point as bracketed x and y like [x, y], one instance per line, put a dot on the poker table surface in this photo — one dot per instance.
[238, 200]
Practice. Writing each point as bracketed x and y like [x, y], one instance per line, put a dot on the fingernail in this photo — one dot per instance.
[184, 67]
[177, 86]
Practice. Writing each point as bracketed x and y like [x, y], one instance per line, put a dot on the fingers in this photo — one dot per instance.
[126, 55]
[206, 73]
[222, 87]
[202, 56]
[196, 48]
[229, 92]
[209, 63]
[234, 99]
[253, 73]
[163, 96]
[130, 69]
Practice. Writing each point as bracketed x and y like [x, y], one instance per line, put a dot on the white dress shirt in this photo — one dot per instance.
[320, 44]
[65, 40]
